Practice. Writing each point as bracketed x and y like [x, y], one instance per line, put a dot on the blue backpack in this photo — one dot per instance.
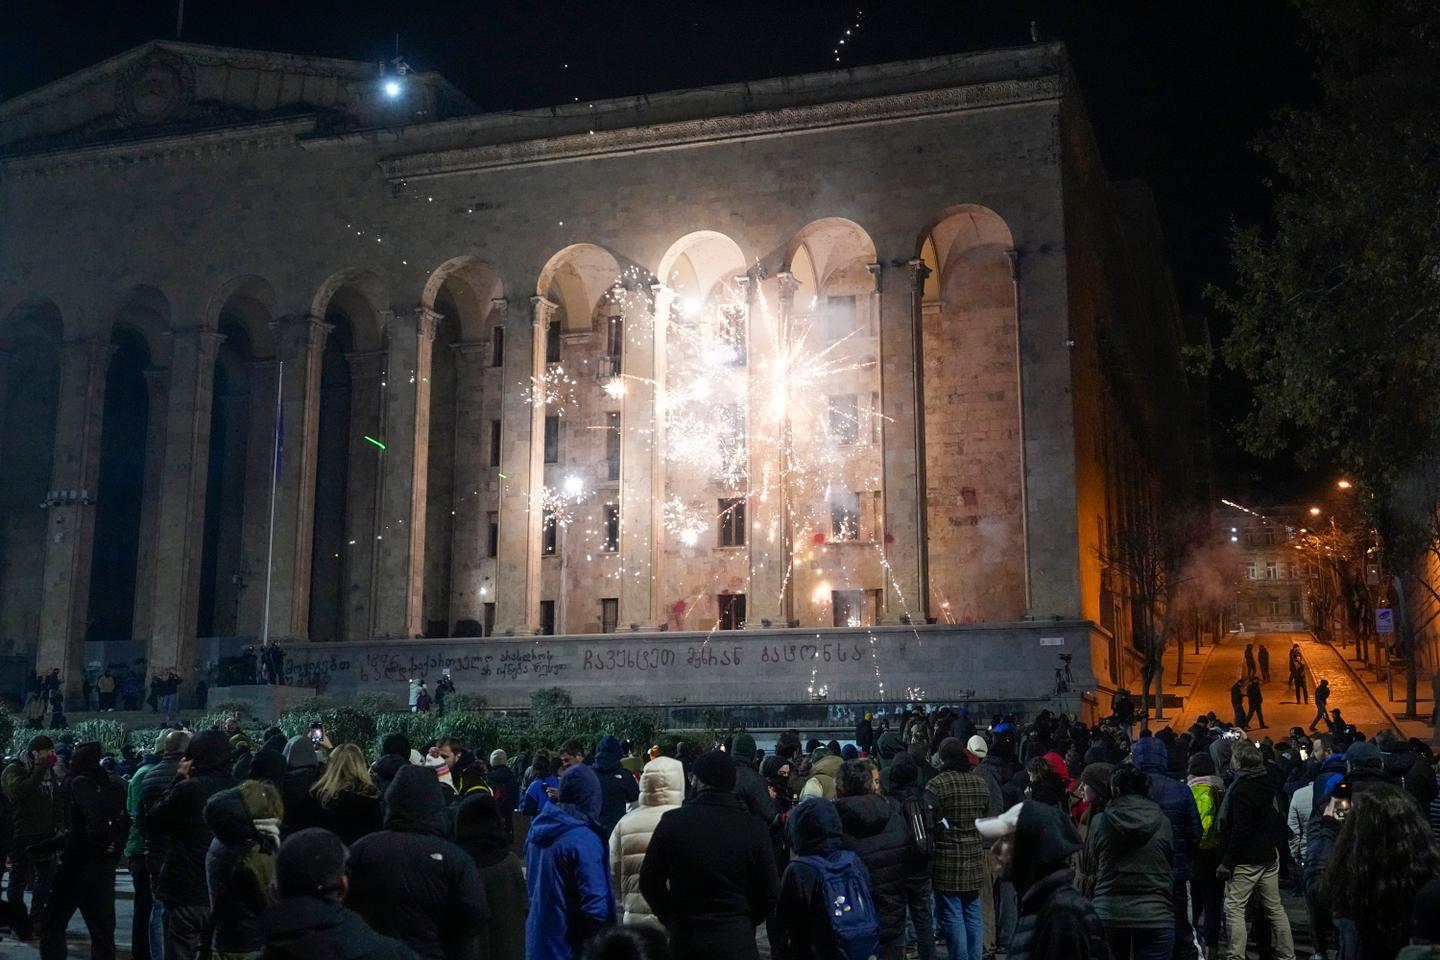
[848, 905]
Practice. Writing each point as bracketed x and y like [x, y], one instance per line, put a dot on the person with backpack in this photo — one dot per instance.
[873, 829]
[240, 865]
[1179, 806]
[1033, 845]
[1207, 891]
[825, 910]
[958, 870]
[921, 814]
[709, 873]
[94, 804]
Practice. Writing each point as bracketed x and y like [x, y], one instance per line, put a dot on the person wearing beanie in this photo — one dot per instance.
[1178, 804]
[919, 810]
[618, 788]
[566, 870]
[480, 831]
[749, 785]
[37, 811]
[958, 872]
[505, 788]
[409, 881]
[662, 789]
[1206, 889]
[865, 732]
[709, 873]
[875, 830]
[394, 755]
[178, 817]
[302, 810]
[1033, 845]
[240, 864]
[94, 802]
[269, 766]
[307, 921]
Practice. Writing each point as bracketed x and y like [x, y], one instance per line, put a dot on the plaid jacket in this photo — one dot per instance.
[959, 865]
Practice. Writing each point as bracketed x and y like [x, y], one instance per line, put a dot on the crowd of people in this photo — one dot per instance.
[1051, 840]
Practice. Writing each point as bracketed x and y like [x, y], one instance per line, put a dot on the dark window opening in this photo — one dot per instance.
[497, 347]
[494, 443]
[732, 521]
[552, 439]
[489, 627]
[609, 614]
[732, 610]
[844, 419]
[612, 528]
[552, 342]
[612, 445]
[493, 543]
[547, 618]
[548, 531]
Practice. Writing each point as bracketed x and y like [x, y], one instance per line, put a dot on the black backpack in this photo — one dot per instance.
[924, 822]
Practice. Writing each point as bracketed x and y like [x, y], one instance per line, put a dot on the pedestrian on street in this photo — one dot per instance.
[874, 829]
[1130, 848]
[1180, 808]
[481, 832]
[662, 789]
[1237, 702]
[1322, 696]
[95, 813]
[922, 814]
[1298, 679]
[1264, 664]
[33, 790]
[1252, 693]
[240, 865]
[618, 789]
[1251, 831]
[709, 871]
[1249, 660]
[566, 871]
[1034, 843]
[959, 869]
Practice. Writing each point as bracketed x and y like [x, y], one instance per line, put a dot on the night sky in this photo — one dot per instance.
[1177, 90]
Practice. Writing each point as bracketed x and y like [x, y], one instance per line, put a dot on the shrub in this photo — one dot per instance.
[228, 708]
[110, 733]
[465, 703]
[143, 740]
[7, 724]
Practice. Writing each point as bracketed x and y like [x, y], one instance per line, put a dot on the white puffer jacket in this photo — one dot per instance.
[662, 788]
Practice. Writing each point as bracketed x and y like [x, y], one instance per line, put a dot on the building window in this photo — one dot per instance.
[552, 439]
[1251, 571]
[730, 436]
[839, 318]
[494, 443]
[609, 614]
[497, 347]
[844, 515]
[552, 342]
[1274, 607]
[548, 532]
[1271, 572]
[547, 618]
[489, 620]
[732, 610]
[493, 543]
[614, 346]
[732, 521]
[1269, 536]
[612, 528]
[847, 607]
[844, 419]
[876, 600]
[1295, 609]
[612, 445]
[732, 334]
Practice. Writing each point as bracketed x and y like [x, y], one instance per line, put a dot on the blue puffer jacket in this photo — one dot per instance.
[1175, 800]
[566, 871]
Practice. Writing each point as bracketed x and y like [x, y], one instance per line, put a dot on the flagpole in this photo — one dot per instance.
[274, 484]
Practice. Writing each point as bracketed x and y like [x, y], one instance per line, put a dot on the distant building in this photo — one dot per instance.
[1271, 581]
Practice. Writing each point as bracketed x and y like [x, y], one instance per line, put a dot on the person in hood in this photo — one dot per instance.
[179, 817]
[618, 788]
[1033, 844]
[873, 828]
[541, 787]
[1207, 901]
[135, 854]
[302, 810]
[565, 870]
[1178, 804]
[410, 882]
[864, 733]
[1251, 831]
[802, 913]
[480, 832]
[394, 756]
[958, 870]
[307, 920]
[346, 801]
[662, 789]
[1408, 765]
[908, 795]
[240, 865]
[1237, 702]
[94, 803]
[37, 812]
[749, 785]
[1130, 847]
[1322, 697]
[709, 872]
[505, 788]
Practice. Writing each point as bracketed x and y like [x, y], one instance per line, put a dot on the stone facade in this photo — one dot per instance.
[802, 352]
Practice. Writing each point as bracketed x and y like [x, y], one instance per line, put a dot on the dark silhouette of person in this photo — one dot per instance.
[1249, 659]
[1252, 693]
[1237, 701]
[1264, 664]
[1322, 695]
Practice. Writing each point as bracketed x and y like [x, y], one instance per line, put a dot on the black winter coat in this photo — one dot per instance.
[1251, 828]
[94, 816]
[351, 815]
[873, 828]
[237, 907]
[179, 816]
[159, 778]
[1056, 923]
[302, 810]
[709, 875]
[410, 883]
[308, 928]
[618, 788]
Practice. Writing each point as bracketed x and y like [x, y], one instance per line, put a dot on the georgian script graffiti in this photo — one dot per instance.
[506, 665]
[807, 652]
[644, 659]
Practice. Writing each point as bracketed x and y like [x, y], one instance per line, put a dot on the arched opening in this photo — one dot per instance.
[462, 292]
[973, 456]
[329, 546]
[121, 489]
[29, 391]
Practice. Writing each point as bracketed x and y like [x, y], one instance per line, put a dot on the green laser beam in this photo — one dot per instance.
[374, 441]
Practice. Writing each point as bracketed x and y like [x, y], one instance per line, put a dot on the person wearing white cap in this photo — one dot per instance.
[1033, 843]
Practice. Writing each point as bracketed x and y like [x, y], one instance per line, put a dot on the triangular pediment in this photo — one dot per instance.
[165, 88]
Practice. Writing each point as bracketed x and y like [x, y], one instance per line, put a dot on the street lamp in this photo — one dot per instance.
[1314, 511]
[1343, 484]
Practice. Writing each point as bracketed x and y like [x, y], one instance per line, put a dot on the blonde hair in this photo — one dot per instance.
[346, 770]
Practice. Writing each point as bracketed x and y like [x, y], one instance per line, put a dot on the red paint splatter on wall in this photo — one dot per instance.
[818, 539]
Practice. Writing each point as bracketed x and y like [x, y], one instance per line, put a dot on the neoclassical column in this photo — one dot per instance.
[907, 587]
[522, 471]
[770, 596]
[157, 391]
[300, 346]
[362, 493]
[259, 478]
[469, 539]
[70, 531]
[400, 544]
[642, 479]
[180, 514]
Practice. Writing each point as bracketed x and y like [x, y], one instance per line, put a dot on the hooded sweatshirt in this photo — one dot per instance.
[480, 831]
[1175, 800]
[309, 928]
[565, 871]
[1131, 848]
[618, 788]
[301, 808]
[874, 829]
[179, 816]
[1055, 922]
[411, 883]
[240, 864]
[802, 915]
[662, 789]
[749, 785]
[94, 808]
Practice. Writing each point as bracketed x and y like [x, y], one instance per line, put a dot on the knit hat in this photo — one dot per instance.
[396, 744]
[716, 770]
[1096, 776]
[978, 746]
[952, 755]
[498, 758]
[41, 742]
[268, 765]
[311, 863]
[1363, 754]
[848, 752]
